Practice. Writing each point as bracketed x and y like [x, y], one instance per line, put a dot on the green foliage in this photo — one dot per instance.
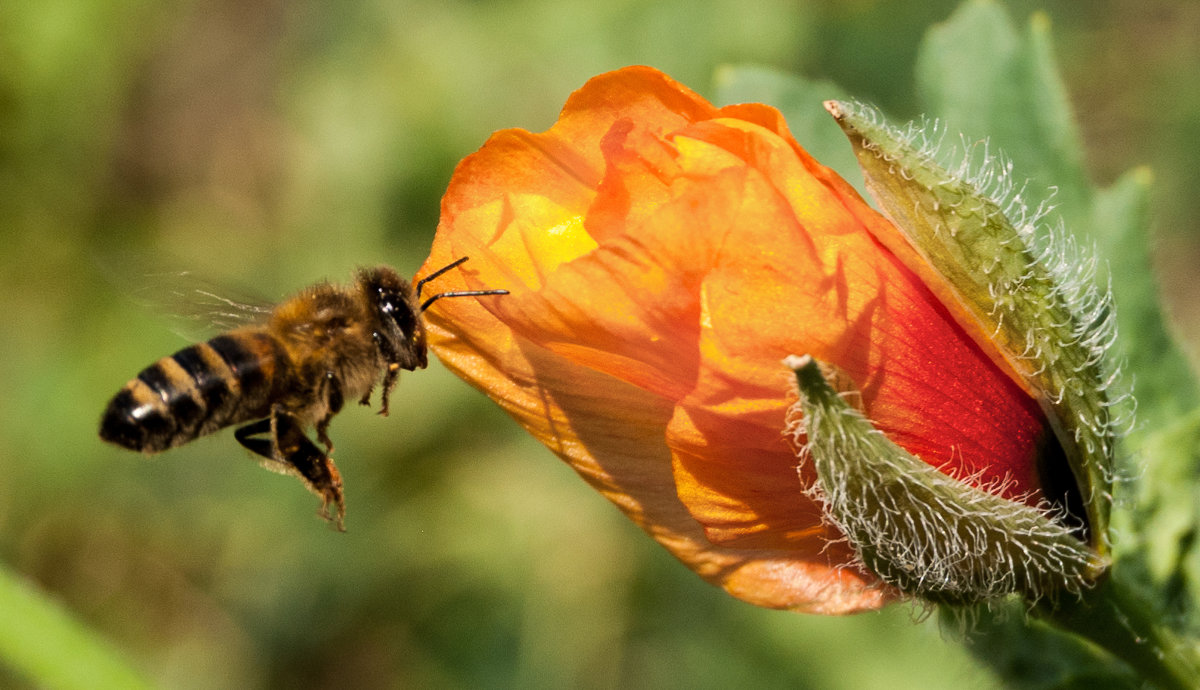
[44, 644]
[1036, 656]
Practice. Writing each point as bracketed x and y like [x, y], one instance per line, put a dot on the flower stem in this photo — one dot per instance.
[1114, 617]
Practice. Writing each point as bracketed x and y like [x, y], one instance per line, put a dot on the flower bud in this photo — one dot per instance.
[662, 256]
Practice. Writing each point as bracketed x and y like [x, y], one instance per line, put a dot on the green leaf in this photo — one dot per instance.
[980, 77]
[40, 641]
[1163, 541]
[1057, 134]
[965, 68]
[1033, 655]
[1165, 382]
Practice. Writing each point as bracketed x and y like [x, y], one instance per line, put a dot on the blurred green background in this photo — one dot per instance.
[273, 144]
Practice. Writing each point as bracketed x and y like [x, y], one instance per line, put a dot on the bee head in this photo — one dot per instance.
[397, 309]
[398, 329]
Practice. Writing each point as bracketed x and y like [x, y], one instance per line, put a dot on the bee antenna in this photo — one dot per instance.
[431, 276]
[461, 293]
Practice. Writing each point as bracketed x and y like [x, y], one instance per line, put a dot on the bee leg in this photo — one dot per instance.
[314, 467]
[366, 399]
[290, 451]
[260, 446]
[323, 433]
[390, 356]
[389, 382]
[335, 399]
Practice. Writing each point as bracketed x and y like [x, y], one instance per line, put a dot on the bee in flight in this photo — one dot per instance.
[294, 370]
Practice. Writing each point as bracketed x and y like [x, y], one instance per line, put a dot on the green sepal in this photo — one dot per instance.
[928, 534]
[1022, 281]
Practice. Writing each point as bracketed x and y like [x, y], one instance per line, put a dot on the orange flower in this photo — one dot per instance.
[664, 256]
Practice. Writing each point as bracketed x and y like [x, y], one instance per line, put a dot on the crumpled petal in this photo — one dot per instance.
[663, 256]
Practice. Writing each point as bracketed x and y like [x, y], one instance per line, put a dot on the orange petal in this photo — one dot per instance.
[612, 434]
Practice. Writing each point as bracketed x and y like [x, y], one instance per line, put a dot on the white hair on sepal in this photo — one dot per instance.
[1050, 311]
[935, 536]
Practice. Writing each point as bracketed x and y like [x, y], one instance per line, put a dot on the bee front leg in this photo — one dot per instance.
[389, 355]
[389, 382]
[290, 451]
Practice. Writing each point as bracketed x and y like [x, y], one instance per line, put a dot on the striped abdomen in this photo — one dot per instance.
[229, 379]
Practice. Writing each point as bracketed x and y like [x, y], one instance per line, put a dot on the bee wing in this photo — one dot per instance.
[198, 306]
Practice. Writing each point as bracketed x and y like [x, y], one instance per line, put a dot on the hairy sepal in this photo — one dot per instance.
[928, 534]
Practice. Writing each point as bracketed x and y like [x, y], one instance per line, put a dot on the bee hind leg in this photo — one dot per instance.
[287, 449]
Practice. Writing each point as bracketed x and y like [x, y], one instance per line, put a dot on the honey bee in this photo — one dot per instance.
[294, 370]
